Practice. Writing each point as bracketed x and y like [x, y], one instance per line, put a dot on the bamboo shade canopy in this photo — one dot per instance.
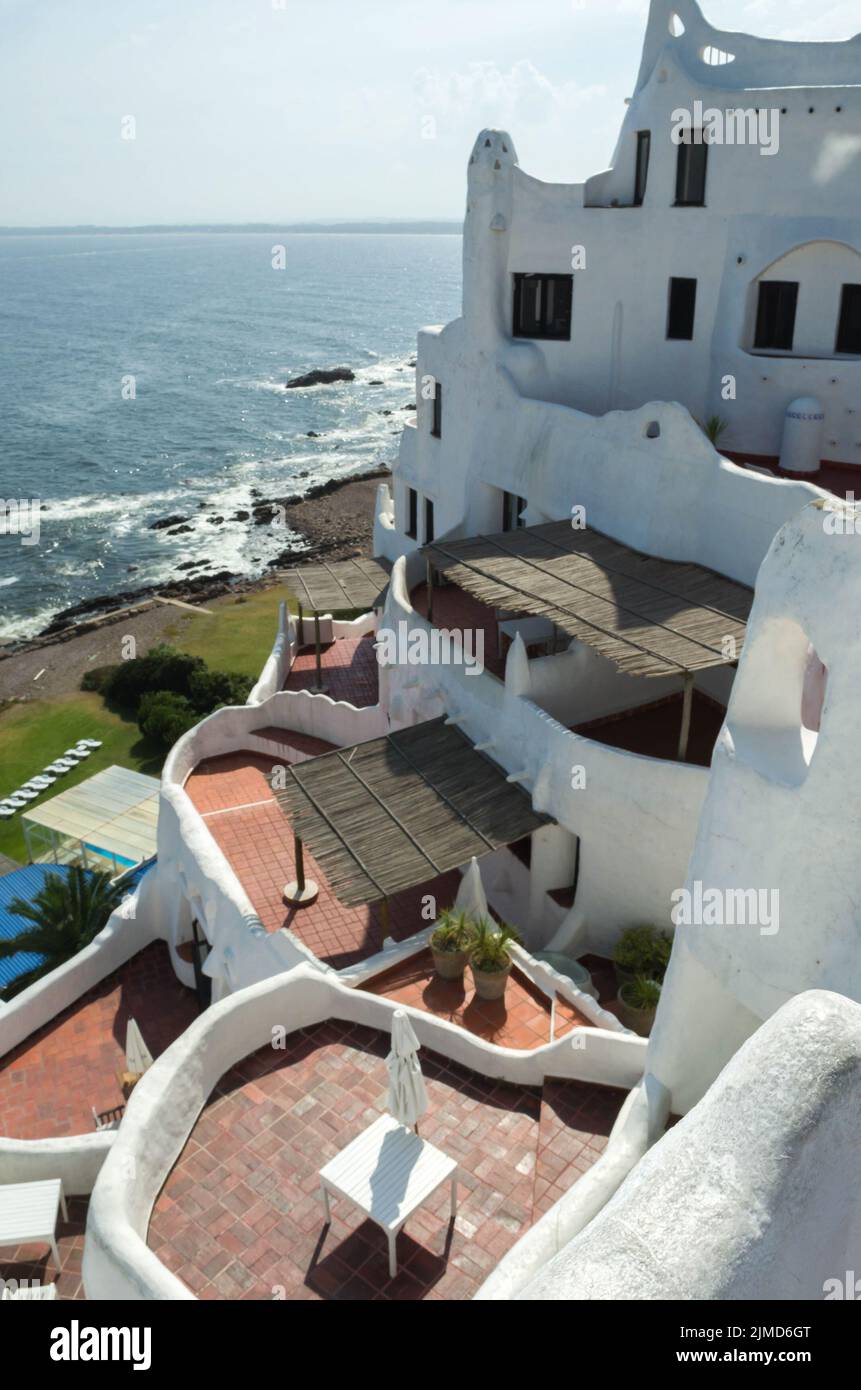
[397, 811]
[322, 588]
[650, 617]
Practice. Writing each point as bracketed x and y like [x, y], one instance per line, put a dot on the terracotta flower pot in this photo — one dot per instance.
[639, 1020]
[449, 965]
[490, 984]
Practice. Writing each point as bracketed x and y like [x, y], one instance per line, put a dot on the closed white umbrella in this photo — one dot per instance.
[138, 1055]
[408, 1098]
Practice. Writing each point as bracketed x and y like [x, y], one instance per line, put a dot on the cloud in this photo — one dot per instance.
[482, 95]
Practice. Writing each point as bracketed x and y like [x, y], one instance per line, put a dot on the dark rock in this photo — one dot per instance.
[215, 520]
[165, 522]
[376, 383]
[385, 412]
[408, 407]
[312, 434]
[241, 516]
[322, 376]
[180, 530]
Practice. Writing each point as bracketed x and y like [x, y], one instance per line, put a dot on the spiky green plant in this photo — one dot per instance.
[64, 916]
[641, 993]
[454, 931]
[489, 951]
[714, 428]
[643, 951]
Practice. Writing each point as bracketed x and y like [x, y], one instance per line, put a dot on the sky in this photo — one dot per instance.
[293, 110]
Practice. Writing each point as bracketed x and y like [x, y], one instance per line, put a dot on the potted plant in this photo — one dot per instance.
[638, 1003]
[642, 951]
[450, 941]
[489, 958]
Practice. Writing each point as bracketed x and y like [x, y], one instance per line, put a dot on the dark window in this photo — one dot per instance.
[691, 172]
[511, 508]
[436, 424]
[849, 328]
[644, 143]
[775, 314]
[542, 306]
[428, 521]
[412, 513]
[682, 307]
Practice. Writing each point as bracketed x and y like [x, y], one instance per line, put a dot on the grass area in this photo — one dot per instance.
[237, 635]
[33, 734]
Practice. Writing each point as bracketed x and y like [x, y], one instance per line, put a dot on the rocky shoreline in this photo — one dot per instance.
[335, 519]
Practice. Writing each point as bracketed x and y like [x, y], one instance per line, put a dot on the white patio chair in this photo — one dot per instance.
[91, 742]
[6, 812]
[26, 794]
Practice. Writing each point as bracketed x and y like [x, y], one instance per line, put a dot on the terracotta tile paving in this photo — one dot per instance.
[35, 1263]
[234, 797]
[575, 1125]
[520, 1020]
[240, 1215]
[455, 609]
[654, 729]
[49, 1084]
[350, 670]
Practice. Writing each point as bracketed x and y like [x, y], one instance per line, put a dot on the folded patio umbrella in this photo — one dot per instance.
[407, 1095]
[138, 1055]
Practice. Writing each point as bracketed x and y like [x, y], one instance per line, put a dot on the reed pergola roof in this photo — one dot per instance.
[650, 617]
[397, 811]
[343, 584]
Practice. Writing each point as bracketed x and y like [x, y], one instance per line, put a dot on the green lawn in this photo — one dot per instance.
[34, 734]
[236, 636]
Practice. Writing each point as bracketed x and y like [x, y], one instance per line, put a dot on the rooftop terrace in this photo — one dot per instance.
[240, 1215]
[51, 1082]
[233, 795]
[350, 670]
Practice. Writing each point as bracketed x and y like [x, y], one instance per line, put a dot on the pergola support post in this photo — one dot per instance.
[300, 891]
[685, 729]
[430, 590]
[319, 687]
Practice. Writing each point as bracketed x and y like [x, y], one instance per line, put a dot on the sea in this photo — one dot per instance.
[143, 376]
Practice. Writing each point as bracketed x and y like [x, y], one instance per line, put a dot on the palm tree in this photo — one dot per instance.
[65, 915]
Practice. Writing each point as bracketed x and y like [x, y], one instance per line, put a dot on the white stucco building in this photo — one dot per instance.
[676, 705]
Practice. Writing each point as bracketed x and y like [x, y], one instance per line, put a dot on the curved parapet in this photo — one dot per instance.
[753, 1195]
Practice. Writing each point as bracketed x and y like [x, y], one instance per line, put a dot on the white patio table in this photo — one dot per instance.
[28, 1213]
[387, 1172]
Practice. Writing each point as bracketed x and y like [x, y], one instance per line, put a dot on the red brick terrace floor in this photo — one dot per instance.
[240, 1215]
[233, 795]
[654, 729]
[455, 609]
[49, 1084]
[350, 670]
[520, 1020]
[35, 1263]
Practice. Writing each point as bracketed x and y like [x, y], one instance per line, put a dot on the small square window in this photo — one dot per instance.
[849, 327]
[412, 513]
[691, 172]
[682, 308]
[436, 421]
[775, 315]
[542, 306]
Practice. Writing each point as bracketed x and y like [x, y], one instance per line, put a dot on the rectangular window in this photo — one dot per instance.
[412, 513]
[644, 145]
[542, 306]
[775, 314]
[682, 308]
[428, 521]
[436, 423]
[849, 328]
[511, 508]
[691, 173]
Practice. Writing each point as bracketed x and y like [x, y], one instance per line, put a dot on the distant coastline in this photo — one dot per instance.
[442, 227]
